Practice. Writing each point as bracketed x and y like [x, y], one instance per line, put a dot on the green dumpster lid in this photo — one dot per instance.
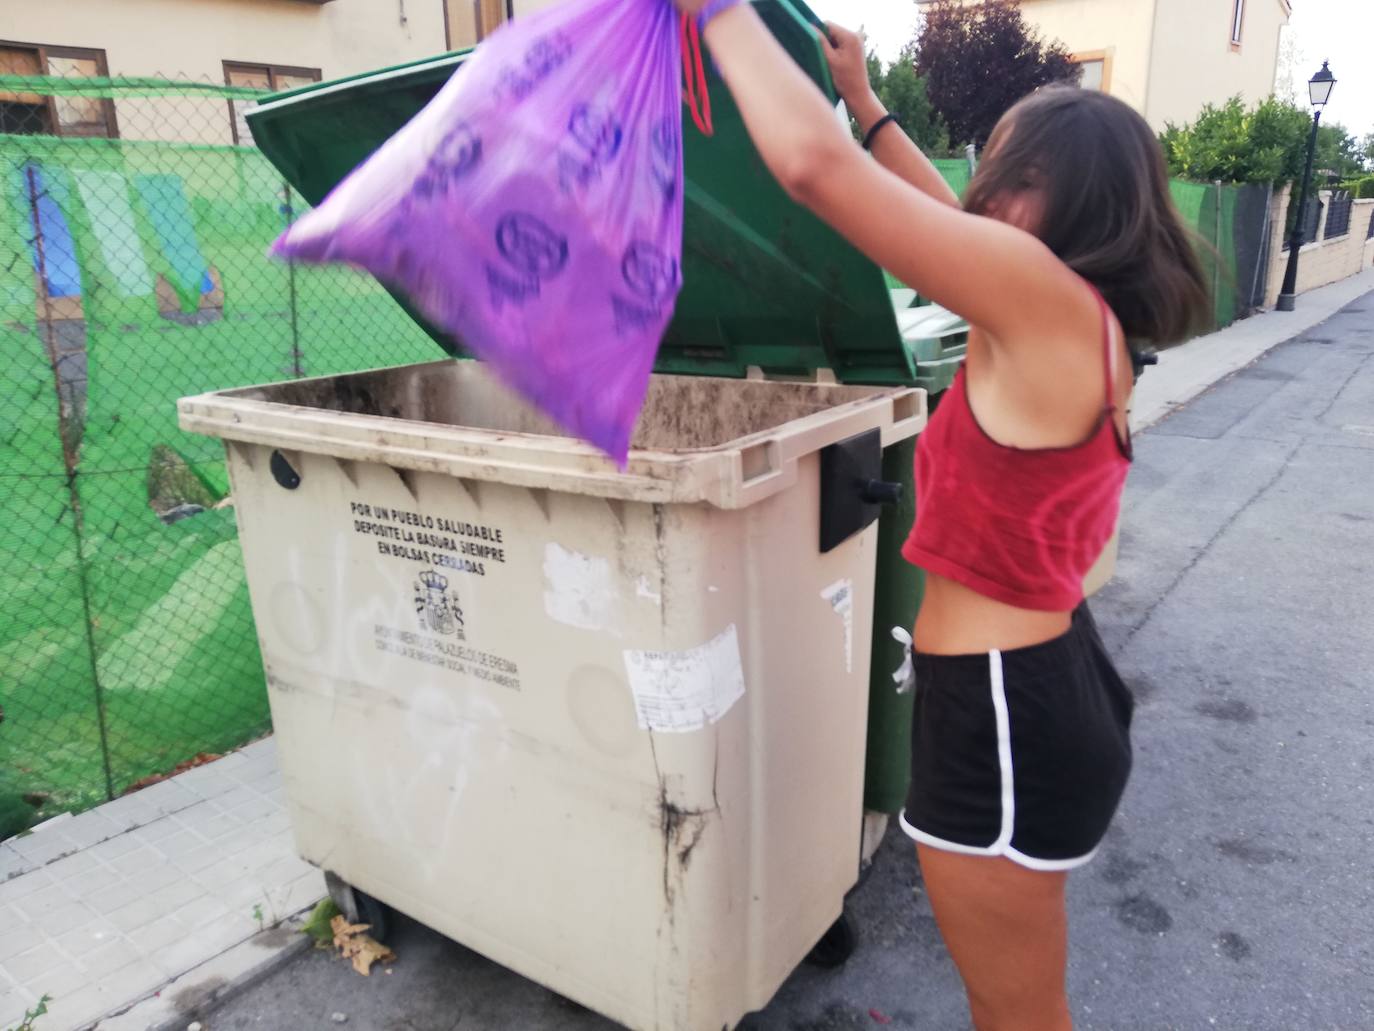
[766, 283]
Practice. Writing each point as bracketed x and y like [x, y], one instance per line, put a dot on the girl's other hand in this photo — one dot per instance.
[844, 50]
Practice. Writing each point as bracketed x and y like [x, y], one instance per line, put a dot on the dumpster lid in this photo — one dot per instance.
[766, 283]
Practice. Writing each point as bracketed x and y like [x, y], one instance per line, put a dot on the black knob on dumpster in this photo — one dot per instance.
[283, 472]
[880, 492]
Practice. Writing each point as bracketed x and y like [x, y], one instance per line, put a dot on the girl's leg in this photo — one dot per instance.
[1007, 930]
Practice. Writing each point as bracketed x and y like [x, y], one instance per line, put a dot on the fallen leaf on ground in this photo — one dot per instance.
[353, 944]
[318, 926]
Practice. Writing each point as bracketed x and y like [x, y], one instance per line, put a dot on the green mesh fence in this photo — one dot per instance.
[1231, 223]
[132, 273]
[1211, 211]
[955, 172]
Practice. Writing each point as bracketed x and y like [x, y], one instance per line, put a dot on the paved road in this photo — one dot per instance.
[1235, 890]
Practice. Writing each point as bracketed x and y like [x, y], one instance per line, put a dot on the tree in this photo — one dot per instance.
[1338, 153]
[907, 96]
[875, 71]
[1265, 144]
[1290, 57]
[903, 93]
[1277, 132]
[980, 59]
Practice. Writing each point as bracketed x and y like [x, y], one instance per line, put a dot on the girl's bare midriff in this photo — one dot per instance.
[955, 620]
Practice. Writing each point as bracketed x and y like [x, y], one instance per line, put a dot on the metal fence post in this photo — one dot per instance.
[297, 368]
[1265, 244]
[71, 462]
[1217, 262]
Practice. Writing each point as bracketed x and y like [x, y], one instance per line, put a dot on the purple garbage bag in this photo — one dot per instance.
[533, 209]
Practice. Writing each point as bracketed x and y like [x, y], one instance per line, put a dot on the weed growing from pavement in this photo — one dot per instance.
[27, 1024]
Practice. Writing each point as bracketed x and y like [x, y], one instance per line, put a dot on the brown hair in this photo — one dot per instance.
[1108, 212]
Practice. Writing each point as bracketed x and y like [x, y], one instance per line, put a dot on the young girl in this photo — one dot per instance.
[1066, 246]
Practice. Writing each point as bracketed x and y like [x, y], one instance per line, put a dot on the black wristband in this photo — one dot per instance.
[877, 127]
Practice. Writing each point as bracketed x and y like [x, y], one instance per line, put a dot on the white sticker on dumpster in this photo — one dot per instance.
[840, 595]
[677, 692]
[579, 590]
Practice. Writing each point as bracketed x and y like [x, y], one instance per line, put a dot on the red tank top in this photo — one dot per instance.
[1023, 527]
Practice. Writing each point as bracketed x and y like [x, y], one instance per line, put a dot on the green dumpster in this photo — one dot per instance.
[769, 291]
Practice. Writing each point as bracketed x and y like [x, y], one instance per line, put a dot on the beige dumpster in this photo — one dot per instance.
[606, 729]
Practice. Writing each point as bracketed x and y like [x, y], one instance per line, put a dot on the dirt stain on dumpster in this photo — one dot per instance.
[682, 829]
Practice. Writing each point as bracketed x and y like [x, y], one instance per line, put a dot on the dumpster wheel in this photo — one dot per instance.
[358, 906]
[836, 945]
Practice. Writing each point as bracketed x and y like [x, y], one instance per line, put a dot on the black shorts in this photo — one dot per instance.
[1022, 754]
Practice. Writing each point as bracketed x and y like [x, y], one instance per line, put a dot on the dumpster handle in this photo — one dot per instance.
[763, 471]
[881, 492]
[759, 461]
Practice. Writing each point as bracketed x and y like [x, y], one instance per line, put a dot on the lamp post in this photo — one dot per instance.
[1320, 89]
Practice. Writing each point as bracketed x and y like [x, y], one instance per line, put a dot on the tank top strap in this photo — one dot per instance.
[1108, 351]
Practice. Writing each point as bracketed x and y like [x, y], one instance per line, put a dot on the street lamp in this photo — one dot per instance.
[1320, 88]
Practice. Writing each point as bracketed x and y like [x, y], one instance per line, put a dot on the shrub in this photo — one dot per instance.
[1229, 143]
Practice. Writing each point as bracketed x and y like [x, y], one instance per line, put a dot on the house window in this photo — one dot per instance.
[48, 115]
[264, 77]
[471, 21]
[1091, 74]
[491, 15]
[1237, 22]
[1095, 70]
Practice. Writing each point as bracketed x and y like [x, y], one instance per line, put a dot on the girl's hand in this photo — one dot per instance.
[844, 50]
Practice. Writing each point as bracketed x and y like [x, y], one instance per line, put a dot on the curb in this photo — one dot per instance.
[189, 997]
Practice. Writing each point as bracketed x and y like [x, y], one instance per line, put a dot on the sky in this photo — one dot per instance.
[1339, 31]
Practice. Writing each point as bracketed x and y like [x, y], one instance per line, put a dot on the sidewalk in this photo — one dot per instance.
[134, 914]
[103, 909]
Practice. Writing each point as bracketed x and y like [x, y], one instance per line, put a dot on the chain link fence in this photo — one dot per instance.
[133, 271]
